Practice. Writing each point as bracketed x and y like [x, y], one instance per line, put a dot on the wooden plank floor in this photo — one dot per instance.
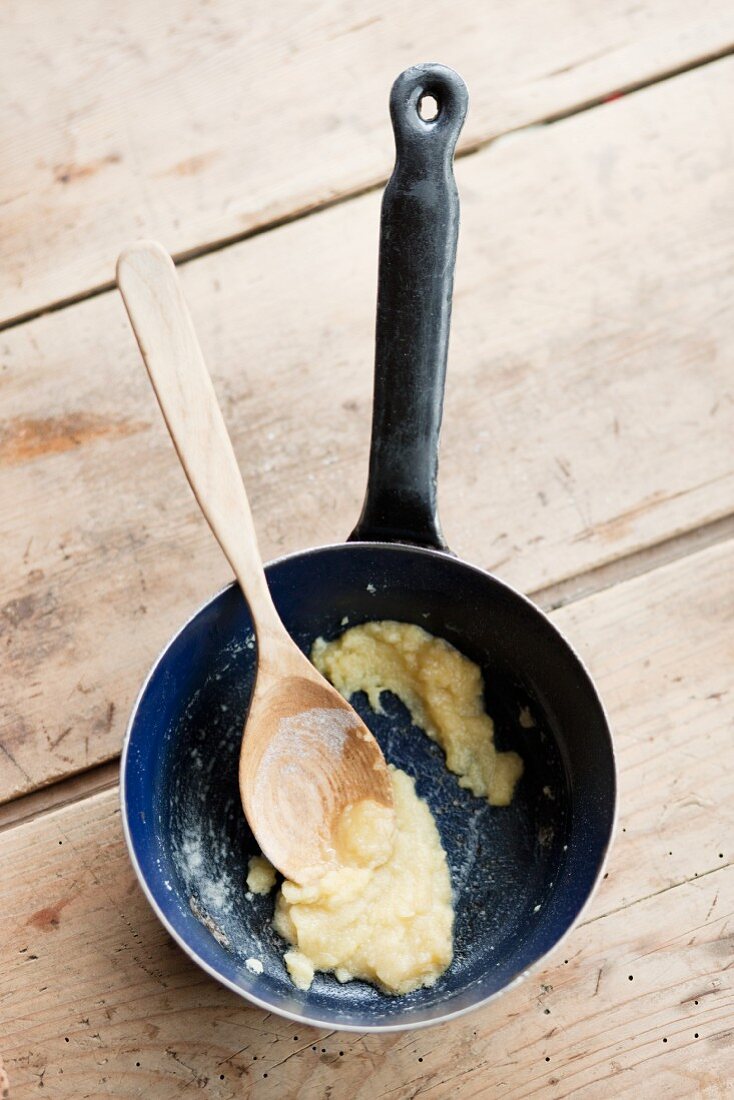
[587, 458]
[197, 122]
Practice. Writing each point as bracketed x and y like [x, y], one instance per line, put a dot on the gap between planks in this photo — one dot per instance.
[469, 148]
[103, 777]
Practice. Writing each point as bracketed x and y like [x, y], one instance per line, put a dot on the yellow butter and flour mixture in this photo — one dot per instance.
[385, 913]
[442, 689]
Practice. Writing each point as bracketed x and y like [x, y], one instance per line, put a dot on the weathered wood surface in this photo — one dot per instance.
[197, 122]
[588, 411]
[96, 1000]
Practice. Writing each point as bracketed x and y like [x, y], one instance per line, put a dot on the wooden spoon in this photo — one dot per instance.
[306, 755]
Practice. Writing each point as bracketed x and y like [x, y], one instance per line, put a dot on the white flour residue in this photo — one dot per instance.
[300, 734]
[216, 893]
[193, 858]
[192, 852]
[460, 872]
[254, 966]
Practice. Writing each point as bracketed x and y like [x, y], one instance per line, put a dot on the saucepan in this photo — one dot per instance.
[522, 873]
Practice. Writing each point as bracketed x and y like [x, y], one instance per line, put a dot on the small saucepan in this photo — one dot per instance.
[521, 874]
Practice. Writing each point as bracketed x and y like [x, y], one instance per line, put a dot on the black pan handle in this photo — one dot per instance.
[418, 232]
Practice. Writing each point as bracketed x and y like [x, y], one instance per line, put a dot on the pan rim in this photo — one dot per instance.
[314, 1021]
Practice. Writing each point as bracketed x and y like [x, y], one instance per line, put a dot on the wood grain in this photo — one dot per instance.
[38, 802]
[588, 412]
[96, 1000]
[195, 123]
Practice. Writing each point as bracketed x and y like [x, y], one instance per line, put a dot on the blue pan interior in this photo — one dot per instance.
[520, 874]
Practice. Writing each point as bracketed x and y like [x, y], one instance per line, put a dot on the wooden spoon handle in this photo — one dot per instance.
[165, 333]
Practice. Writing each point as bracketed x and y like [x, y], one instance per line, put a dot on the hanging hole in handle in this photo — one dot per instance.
[428, 108]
